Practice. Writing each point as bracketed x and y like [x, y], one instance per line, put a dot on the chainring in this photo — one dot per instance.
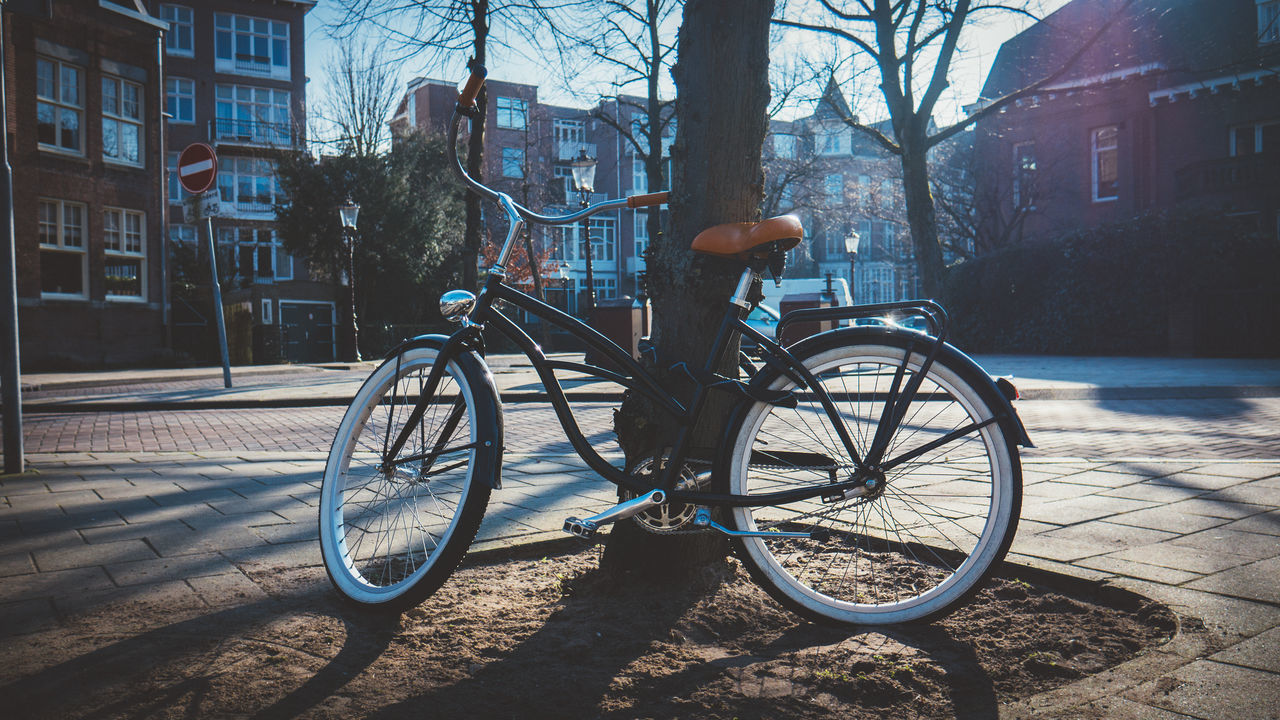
[668, 518]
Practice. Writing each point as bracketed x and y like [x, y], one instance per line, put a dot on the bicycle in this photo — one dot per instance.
[868, 475]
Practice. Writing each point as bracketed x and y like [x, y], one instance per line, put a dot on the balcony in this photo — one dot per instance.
[1244, 181]
[253, 133]
[567, 150]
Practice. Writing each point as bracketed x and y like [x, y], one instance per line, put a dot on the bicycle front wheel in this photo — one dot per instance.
[392, 529]
[919, 545]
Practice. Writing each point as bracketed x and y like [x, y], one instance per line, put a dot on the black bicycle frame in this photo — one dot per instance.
[633, 377]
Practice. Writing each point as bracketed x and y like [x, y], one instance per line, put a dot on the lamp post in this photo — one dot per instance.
[851, 247]
[562, 272]
[348, 213]
[584, 180]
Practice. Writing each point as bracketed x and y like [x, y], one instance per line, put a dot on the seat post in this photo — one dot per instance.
[741, 295]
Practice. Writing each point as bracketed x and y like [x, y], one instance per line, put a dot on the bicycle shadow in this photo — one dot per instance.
[650, 656]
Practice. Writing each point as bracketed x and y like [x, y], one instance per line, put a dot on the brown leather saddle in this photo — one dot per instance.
[743, 240]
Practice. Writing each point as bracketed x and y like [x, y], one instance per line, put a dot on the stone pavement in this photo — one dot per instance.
[87, 530]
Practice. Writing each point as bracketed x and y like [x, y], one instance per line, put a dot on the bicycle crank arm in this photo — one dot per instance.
[587, 527]
[703, 519]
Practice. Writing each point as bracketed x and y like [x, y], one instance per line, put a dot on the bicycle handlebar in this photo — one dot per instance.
[467, 98]
[465, 107]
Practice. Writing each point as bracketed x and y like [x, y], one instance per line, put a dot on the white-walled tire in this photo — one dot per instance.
[911, 553]
[392, 532]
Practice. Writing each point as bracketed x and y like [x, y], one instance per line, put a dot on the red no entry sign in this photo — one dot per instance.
[197, 168]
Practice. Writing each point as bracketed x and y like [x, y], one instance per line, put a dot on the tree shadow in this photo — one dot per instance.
[128, 675]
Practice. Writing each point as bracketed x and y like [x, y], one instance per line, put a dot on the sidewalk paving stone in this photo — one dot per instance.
[1255, 581]
[90, 555]
[1258, 652]
[1214, 691]
[143, 572]
[1142, 571]
[1107, 536]
[1224, 540]
[1167, 554]
[1160, 518]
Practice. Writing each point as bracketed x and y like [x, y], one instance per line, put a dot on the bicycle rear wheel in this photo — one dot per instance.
[913, 550]
[393, 529]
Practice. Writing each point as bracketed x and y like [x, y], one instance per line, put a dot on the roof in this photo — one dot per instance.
[1183, 41]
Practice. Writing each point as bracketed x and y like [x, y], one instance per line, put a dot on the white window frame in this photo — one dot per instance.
[177, 89]
[512, 113]
[240, 239]
[229, 28]
[179, 18]
[1096, 152]
[603, 233]
[252, 115]
[183, 234]
[1024, 175]
[1268, 21]
[124, 236]
[836, 141]
[606, 288]
[123, 119]
[569, 131]
[236, 173]
[833, 187]
[61, 104]
[512, 162]
[641, 233]
[60, 242]
[784, 146]
[639, 176]
[1257, 128]
[266, 311]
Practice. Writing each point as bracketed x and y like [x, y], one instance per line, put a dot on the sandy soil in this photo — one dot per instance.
[556, 637]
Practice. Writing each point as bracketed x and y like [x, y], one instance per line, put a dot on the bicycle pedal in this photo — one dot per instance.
[584, 529]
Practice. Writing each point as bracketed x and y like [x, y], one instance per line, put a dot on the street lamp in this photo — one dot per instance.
[851, 247]
[562, 272]
[584, 180]
[348, 213]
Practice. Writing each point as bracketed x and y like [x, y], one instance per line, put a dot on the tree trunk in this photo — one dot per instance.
[473, 236]
[722, 100]
[922, 217]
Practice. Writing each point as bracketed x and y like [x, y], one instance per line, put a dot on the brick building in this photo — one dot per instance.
[528, 149]
[84, 98]
[841, 182]
[235, 78]
[1178, 103]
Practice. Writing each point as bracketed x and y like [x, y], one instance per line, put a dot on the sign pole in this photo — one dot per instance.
[197, 169]
[10, 367]
[217, 303]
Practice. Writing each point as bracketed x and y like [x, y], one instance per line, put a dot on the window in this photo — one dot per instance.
[511, 113]
[606, 288]
[512, 162]
[1268, 21]
[784, 146]
[182, 234]
[121, 121]
[180, 96]
[834, 142]
[569, 131]
[603, 238]
[266, 311]
[250, 45]
[179, 39]
[563, 174]
[834, 186]
[1106, 170]
[642, 233]
[176, 194]
[1255, 138]
[249, 114]
[124, 266]
[63, 260]
[639, 177]
[59, 103]
[259, 256]
[248, 184]
[1024, 175]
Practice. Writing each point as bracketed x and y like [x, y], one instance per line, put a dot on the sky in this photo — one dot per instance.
[981, 44]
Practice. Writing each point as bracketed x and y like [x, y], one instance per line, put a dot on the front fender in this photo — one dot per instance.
[461, 349]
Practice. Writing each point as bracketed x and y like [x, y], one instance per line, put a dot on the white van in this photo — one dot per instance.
[839, 289]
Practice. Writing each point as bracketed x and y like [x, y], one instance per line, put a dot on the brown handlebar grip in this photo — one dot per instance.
[472, 88]
[657, 198]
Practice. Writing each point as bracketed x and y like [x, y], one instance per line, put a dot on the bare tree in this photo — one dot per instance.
[912, 43]
[721, 104]
[360, 97]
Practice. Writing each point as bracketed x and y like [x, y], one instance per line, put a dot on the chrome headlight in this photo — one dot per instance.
[457, 304]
